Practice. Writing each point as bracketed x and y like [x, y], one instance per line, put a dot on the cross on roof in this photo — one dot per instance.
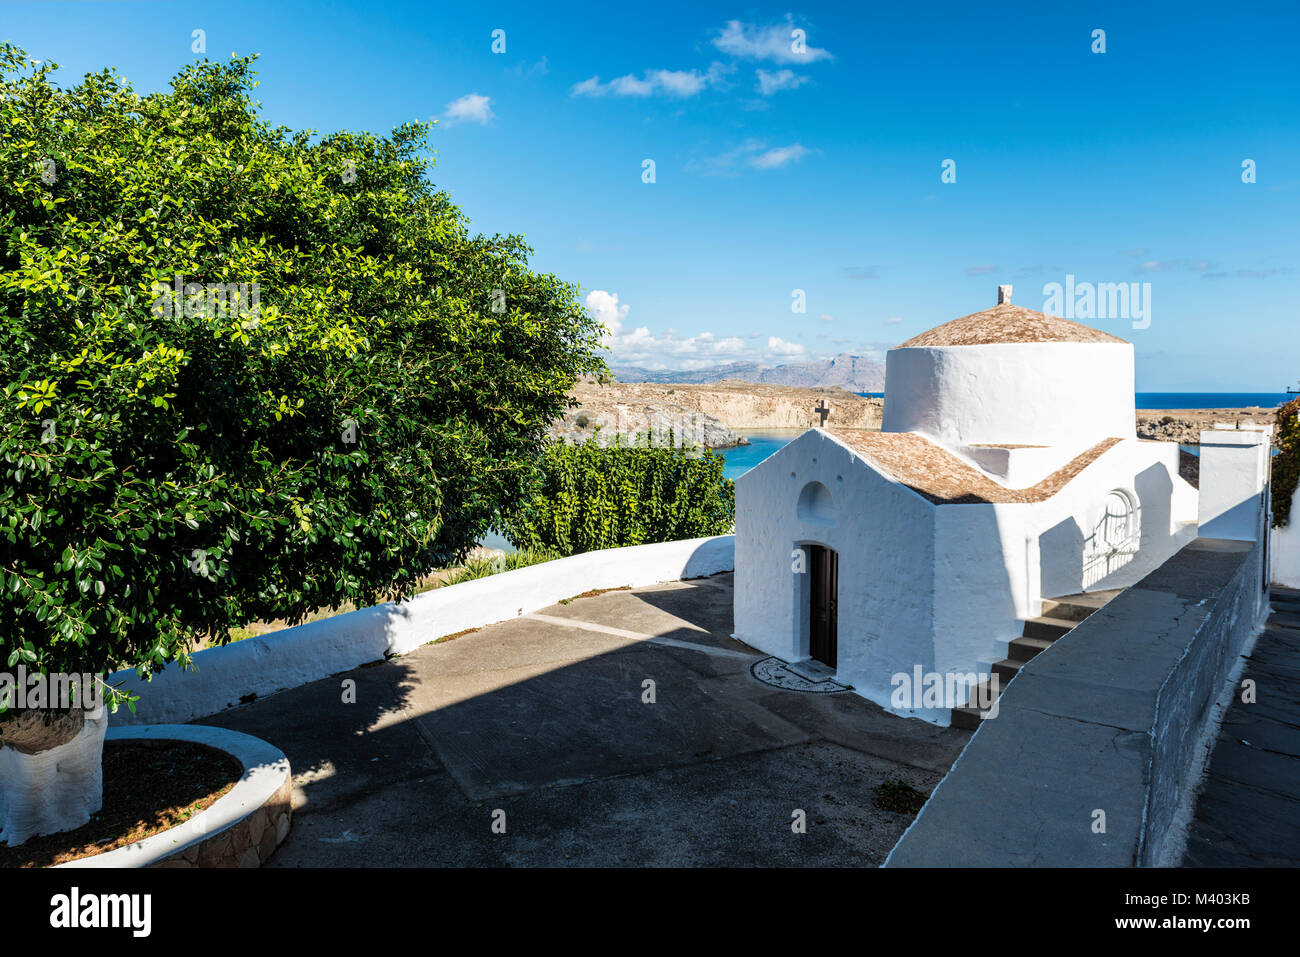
[823, 410]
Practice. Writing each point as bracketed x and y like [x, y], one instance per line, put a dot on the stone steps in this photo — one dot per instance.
[1022, 649]
[1060, 615]
[1048, 628]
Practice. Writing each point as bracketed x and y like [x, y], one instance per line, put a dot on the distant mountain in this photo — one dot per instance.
[854, 373]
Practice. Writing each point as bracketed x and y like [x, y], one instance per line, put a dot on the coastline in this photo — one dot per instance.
[716, 415]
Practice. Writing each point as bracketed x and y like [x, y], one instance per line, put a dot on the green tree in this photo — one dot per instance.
[349, 389]
[594, 496]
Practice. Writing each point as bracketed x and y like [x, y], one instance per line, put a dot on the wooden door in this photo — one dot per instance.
[823, 627]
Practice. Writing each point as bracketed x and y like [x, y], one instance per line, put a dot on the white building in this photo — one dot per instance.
[1007, 471]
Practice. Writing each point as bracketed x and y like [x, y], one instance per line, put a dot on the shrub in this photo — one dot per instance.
[1286, 464]
[172, 470]
[483, 567]
[593, 496]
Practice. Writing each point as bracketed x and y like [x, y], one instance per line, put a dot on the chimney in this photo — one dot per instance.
[1004, 295]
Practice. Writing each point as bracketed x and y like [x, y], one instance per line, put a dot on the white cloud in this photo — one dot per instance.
[675, 83]
[604, 308]
[826, 317]
[776, 158]
[753, 153]
[470, 108]
[1167, 265]
[780, 347]
[640, 347]
[748, 41]
[588, 87]
[983, 269]
[893, 320]
[541, 67]
[769, 83]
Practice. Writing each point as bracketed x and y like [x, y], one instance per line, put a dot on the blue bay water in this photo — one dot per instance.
[762, 443]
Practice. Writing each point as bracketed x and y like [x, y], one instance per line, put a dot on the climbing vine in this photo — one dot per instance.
[1286, 464]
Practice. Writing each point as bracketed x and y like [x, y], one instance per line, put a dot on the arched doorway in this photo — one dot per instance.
[1115, 538]
[823, 602]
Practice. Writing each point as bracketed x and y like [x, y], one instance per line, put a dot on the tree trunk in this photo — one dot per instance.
[51, 773]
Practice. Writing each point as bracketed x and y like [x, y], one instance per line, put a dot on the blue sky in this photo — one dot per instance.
[818, 171]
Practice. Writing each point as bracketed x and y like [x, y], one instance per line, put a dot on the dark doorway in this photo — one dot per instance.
[823, 624]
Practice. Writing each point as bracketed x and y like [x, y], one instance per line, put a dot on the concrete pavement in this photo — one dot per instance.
[620, 729]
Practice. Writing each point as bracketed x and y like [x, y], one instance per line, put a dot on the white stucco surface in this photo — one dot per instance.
[1234, 470]
[54, 790]
[1286, 548]
[884, 534]
[1070, 394]
[1070, 526]
[293, 657]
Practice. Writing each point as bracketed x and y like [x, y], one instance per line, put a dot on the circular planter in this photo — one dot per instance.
[242, 828]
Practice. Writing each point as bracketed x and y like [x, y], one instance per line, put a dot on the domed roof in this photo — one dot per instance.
[1005, 323]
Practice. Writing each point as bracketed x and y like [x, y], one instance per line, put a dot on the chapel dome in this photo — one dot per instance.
[1011, 375]
[1005, 324]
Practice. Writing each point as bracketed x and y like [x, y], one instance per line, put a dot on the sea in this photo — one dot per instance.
[763, 442]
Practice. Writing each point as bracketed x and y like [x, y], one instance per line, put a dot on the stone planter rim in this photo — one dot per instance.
[265, 771]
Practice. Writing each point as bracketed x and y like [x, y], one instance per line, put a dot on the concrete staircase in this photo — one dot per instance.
[1059, 617]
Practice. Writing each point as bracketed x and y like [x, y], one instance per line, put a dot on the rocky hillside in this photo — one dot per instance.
[657, 423]
[708, 414]
[849, 372]
[1185, 425]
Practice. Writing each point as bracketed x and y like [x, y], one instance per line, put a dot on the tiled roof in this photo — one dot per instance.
[937, 475]
[1006, 323]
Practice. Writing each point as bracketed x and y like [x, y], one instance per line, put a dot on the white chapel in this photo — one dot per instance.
[1007, 471]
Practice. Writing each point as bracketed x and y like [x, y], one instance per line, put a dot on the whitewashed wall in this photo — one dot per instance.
[945, 587]
[1286, 548]
[1071, 394]
[1168, 514]
[884, 534]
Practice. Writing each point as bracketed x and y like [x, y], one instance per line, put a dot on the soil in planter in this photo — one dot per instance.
[149, 786]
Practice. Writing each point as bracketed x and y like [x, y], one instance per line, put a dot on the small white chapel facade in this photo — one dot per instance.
[1007, 471]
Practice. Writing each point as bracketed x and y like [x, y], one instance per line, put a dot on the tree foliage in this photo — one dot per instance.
[594, 496]
[173, 472]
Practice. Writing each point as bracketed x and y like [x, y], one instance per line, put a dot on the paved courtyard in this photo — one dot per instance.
[545, 723]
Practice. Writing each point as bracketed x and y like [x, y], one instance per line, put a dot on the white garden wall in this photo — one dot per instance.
[1286, 548]
[293, 657]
